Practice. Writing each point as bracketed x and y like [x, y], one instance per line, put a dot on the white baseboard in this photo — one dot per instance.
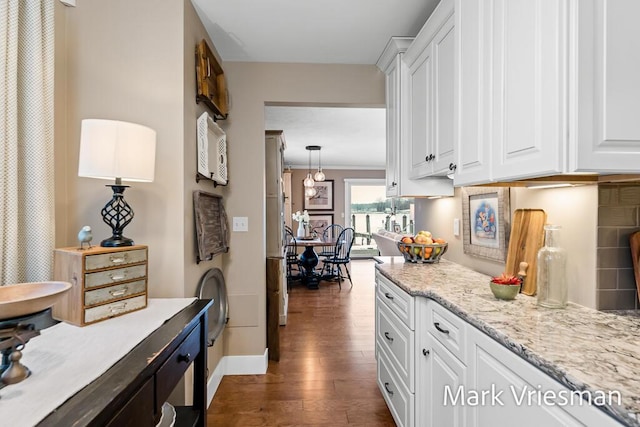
[236, 365]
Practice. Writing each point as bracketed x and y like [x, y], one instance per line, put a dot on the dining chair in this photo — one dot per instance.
[330, 233]
[341, 256]
[292, 257]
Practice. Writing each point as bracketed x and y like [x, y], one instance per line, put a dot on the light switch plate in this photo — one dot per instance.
[240, 223]
[456, 227]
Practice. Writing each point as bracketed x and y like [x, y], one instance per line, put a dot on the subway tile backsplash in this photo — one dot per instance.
[618, 217]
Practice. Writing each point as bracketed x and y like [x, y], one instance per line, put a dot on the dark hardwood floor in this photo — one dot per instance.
[327, 370]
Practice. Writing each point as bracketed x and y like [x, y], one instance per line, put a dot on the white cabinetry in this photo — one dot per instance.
[529, 90]
[546, 87]
[398, 149]
[431, 99]
[395, 349]
[441, 367]
[497, 368]
[606, 132]
[435, 369]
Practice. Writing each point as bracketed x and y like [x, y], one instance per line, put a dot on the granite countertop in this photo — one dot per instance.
[582, 348]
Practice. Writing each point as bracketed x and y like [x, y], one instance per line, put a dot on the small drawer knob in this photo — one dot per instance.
[186, 358]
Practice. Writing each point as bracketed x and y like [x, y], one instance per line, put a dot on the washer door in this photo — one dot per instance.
[212, 287]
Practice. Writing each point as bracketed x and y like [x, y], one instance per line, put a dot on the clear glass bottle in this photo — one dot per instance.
[552, 270]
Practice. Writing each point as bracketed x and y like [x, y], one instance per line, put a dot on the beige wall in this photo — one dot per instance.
[575, 209]
[251, 86]
[338, 176]
[115, 60]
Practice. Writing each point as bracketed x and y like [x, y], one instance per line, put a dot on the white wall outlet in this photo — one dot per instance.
[456, 227]
[240, 223]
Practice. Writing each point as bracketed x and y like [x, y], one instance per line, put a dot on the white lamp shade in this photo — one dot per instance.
[112, 149]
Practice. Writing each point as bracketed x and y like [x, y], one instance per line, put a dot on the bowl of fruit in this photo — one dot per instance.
[422, 247]
[505, 286]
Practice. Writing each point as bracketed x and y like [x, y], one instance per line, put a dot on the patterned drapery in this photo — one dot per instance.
[27, 224]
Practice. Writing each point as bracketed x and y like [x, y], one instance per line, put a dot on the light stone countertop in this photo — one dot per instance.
[582, 348]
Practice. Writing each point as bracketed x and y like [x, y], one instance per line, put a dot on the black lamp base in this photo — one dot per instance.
[115, 242]
[117, 214]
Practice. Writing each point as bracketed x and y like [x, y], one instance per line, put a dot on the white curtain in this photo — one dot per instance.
[26, 140]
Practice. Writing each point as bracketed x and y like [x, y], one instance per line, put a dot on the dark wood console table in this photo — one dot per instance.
[132, 392]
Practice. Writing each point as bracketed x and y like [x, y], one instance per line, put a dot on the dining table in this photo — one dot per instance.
[309, 259]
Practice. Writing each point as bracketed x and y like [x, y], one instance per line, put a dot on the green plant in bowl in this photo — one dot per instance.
[505, 287]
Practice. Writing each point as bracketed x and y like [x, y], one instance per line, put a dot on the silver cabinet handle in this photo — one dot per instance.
[118, 259]
[118, 308]
[119, 292]
[119, 277]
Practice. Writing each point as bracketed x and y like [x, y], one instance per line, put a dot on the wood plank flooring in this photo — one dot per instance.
[327, 370]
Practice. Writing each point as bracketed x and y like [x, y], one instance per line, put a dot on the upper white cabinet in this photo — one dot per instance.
[431, 99]
[391, 64]
[546, 87]
[398, 150]
[529, 65]
[604, 126]
[473, 143]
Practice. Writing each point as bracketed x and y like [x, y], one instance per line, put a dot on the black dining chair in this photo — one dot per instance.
[341, 256]
[293, 262]
[330, 233]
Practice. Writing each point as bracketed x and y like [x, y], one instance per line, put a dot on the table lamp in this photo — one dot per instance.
[111, 149]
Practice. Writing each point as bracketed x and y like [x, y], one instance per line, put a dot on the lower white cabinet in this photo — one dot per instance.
[515, 389]
[446, 372]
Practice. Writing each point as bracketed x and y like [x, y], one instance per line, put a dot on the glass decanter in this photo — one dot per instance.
[552, 270]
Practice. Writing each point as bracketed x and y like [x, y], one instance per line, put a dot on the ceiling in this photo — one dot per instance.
[328, 31]
[351, 138]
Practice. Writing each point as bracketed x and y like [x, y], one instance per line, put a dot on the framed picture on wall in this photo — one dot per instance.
[485, 222]
[323, 200]
[318, 222]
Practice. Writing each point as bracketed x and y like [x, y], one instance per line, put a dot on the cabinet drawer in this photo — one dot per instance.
[176, 365]
[102, 295]
[400, 302]
[91, 280]
[114, 259]
[114, 309]
[399, 400]
[447, 328]
[398, 341]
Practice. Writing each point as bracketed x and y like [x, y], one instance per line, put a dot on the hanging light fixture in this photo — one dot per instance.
[309, 192]
[308, 181]
[319, 176]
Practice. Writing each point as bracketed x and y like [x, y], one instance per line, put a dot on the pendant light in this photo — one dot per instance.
[309, 192]
[319, 176]
[308, 181]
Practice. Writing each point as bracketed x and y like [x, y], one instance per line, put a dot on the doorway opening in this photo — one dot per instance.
[368, 209]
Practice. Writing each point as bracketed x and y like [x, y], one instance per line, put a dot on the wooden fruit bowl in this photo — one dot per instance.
[416, 252]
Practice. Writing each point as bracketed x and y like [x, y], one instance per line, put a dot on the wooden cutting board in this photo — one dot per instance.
[634, 243]
[527, 237]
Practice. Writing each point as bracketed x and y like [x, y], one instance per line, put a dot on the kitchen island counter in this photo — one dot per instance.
[582, 348]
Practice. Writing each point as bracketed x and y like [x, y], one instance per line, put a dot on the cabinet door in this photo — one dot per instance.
[444, 96]
[420, 114]
[529, 101]
[515, 383]
[608, 93]
[473, 141]
[443, 375]
[393, 128]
